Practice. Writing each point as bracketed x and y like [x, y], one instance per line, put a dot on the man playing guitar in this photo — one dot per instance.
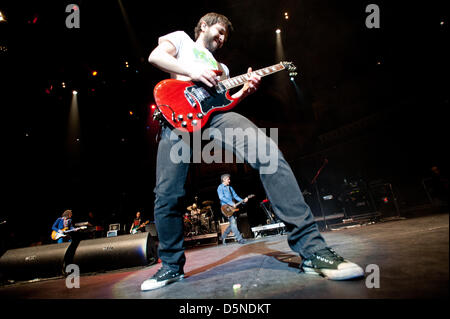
[189, 60]
[227, 195]
[62, 224]
[137, 225]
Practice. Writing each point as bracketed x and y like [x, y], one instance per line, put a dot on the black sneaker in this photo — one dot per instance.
[163, 276]
[328, 263]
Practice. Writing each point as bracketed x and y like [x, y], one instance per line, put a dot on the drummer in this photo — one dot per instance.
[195, 210]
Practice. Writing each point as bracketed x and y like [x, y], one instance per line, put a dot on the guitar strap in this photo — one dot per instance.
[232, 198]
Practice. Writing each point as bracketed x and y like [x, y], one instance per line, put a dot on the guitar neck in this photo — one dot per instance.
[243, 78]
[74, 229]
[239, 203]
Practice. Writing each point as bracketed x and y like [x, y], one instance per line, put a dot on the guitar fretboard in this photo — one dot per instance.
[241, 79]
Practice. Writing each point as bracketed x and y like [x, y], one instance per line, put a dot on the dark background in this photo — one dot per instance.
[372, 101]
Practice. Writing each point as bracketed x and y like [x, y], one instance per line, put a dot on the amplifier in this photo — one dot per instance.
[111, 233]
[34, 262]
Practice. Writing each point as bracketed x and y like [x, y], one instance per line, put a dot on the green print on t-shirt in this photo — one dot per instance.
[201, 55]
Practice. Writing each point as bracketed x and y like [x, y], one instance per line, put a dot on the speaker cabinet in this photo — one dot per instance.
[34, 262]
[115, 252]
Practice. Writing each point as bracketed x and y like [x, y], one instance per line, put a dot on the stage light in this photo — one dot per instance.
[2, 17]
[153, 106]
[442, 22]
[94, 73]
[63, 84]
[74, 92]
[131, 112]
[277, 31]
[126, 64]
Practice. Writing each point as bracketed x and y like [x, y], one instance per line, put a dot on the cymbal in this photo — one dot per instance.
[207, 202]
[205, 209]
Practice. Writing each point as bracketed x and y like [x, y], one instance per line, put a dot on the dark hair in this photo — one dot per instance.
[211, 19]
[223, 177]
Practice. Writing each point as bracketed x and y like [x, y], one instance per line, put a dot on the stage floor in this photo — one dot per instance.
[411, 254]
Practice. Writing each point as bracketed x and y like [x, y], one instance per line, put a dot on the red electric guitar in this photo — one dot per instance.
[188, 105]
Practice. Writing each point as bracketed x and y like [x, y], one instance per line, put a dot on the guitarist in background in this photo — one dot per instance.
[227, 195]
[63, 223]
[186, 59]
[137, 222]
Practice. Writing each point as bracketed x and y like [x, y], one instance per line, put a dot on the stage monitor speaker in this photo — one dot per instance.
[34, 262]
[151, 228]
[111, 253]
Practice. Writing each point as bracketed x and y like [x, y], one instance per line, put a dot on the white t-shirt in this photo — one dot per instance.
[189, 53]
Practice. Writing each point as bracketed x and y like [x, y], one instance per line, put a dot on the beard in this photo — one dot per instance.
[210, 43]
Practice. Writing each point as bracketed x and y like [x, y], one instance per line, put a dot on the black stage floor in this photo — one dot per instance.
[411, 255]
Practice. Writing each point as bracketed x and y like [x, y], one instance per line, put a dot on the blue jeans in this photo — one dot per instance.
[232, 227]
[281, 188]
[63, 240]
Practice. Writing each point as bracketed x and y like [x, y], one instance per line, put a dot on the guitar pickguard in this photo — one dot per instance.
[207, 98]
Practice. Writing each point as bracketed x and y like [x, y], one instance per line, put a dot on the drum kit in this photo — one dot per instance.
[199, 220]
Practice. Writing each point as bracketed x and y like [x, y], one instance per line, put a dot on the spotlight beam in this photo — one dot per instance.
[131, 32]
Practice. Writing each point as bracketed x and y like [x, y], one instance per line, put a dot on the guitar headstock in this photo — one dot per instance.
[290, 67]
